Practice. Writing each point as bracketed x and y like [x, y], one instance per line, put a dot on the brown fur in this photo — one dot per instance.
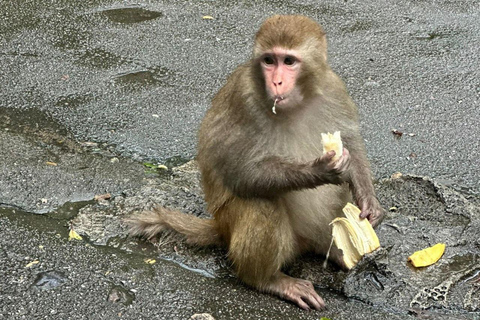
[271, 194]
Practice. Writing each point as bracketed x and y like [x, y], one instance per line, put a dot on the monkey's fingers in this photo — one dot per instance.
[343, 163]
[376, 218]
[372, 211]
[327, 157]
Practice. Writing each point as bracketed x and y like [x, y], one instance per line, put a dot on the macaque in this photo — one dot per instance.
[270, 190]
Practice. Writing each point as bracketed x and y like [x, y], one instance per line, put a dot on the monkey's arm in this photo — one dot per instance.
[271, 176]
[362, 186]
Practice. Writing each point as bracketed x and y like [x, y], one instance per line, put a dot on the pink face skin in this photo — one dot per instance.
[281, 68]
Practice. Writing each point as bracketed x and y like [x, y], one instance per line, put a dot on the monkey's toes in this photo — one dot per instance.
[304, 295]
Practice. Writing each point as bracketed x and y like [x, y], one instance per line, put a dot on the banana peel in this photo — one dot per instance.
[332, 142]
[353, 235]
[427, 256]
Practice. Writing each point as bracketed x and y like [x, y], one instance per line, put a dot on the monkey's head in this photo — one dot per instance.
[290, 53]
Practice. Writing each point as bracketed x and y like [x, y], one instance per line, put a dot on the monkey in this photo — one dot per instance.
[271, 192]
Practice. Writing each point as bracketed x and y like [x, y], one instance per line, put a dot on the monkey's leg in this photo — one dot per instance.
[261, 242]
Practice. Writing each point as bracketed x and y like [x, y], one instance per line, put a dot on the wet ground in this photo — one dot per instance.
[94, 90]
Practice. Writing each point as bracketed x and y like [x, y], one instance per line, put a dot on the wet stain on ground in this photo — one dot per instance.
[49, 280]
[119, 294]
[133, 14]
[101, 59]
[70, 37]
[435, 35]
[154, 76]
[136, 77]
[359, 25]
[22, 120]
[73, 101]
[37, 125]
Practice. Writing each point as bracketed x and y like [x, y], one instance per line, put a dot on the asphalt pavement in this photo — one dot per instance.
[91, 90]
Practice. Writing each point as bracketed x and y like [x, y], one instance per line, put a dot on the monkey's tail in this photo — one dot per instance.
[196, 230]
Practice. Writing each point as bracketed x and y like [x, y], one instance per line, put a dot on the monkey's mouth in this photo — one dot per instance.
[278, 100]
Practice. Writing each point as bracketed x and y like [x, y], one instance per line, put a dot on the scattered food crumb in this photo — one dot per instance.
[34, 262]
[396, 175]
[202, 316]
[73, 235]
[104, 196]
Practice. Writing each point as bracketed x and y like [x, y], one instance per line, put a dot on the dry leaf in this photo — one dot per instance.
[397, 133]
[428, 256]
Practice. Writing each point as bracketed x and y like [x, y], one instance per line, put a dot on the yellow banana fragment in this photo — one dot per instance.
[150, 261]
[353, 235]
[369, 237]
[332, 142]
[428, 256]
[73, 235]
[342, 230]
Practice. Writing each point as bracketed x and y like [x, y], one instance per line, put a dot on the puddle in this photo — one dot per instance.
[137, 78]
[202, 272]
[152, 76]
[73, 101]
[434, 35]
[119, 294]
[49, 280]
[51, 222]
[27, 120]
[35, 221]
[37, 126]
[133, 14]
[69, 36]
[459, 265]
[175, 161]
[418, 197]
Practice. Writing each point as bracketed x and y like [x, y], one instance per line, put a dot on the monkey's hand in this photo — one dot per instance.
[371, 209]
[326, 170]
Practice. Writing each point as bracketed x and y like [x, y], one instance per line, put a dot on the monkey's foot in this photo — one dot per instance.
[300, 292]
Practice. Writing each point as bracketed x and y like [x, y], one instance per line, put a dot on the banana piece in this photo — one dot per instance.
[353, 235]
[332, 142]
[428, 256]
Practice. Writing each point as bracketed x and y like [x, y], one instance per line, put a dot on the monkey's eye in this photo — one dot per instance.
[289, 61]
[268, 60]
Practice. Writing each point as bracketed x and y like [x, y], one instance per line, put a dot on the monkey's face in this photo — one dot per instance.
[281, 68]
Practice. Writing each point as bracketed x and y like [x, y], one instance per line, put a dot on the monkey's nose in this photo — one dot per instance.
[277, 83]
